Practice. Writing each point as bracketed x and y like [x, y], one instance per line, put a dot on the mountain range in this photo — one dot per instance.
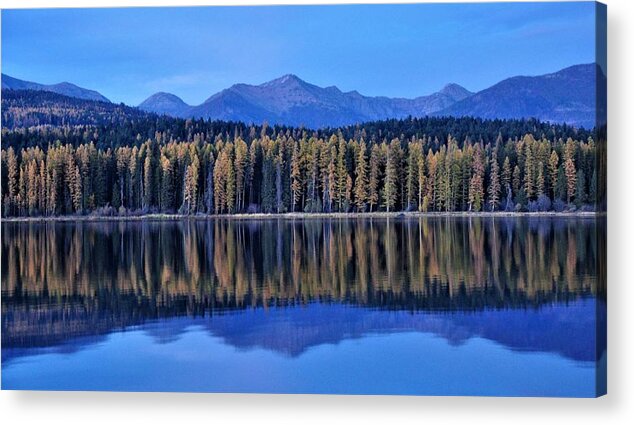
[566, 96]
[292, 101]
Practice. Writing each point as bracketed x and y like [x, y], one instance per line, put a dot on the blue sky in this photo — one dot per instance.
[128, 54]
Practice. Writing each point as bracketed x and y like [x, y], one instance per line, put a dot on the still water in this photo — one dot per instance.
[434, 306]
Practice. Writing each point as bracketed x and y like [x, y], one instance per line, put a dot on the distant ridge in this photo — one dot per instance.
[566, 96]
[67, 89]
[292, 101]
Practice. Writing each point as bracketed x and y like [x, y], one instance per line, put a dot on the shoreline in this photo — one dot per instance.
[302, 216]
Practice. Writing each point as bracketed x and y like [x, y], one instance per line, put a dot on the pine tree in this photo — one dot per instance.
[506, 174]
[297, 184]
[476, 184]
[494, 184]
[422, 181]
[240, 166]
[570, 170]
[390, 190]
[361, 179]
[341, 176]
[475, 193]
[135, 180]
[42, 188]
[279, 188]
[268, 180]
[553, 169]
[561, 190]
[540, 182]
[441, 181]
[148, 178]
[432, 165]
[167, 184]
[413, 197]
[190, 194]
[31, 187]
[76, 189]
[230, 183]
[313, 203]
[254, 160]
[12, 174]
[373, 182]
[209, 185]
[580, 190]
[516, 180]
[529, 182]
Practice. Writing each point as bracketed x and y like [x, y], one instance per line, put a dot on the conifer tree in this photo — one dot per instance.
[553, 169]
[580, 190]
[540, 182]
[167, 184]
[390, 189]
[341, 176]
[529, 182]
[240, 167]
[570, 170]
[12, 174]
[476, 184]
[190, 187]
[361, 179]
[414, 158]
[494, 184]
[209, 185]
[506, 174]
[516, 180]
[373, 182]
[297, 185]
[422, 180]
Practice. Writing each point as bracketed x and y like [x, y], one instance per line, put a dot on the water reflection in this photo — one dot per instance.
[289, 286]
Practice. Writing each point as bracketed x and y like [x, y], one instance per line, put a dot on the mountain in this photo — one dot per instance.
[566, 96]
[66, 89]
[291, 101]
[165, 104]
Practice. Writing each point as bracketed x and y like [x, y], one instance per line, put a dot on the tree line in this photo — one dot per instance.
[36, 118]
[310, 173]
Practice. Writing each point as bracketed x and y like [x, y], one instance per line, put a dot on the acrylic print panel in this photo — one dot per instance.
[353, 199]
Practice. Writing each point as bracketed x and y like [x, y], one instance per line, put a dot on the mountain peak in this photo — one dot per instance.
[165, 103]
[164, 95]
[455, 91]
[284, 80]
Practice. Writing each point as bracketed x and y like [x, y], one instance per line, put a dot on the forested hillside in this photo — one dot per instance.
[82, 157]
[29, 108]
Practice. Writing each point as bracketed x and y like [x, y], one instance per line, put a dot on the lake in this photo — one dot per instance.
[511, 306]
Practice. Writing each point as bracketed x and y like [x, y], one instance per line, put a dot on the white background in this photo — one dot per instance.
[618, 407]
